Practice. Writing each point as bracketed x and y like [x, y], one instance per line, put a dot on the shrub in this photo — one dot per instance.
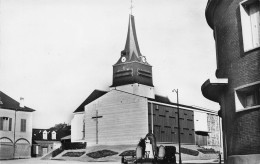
[101, 154]
[56, 152]
[189, 151]
[208, 151]
[73, 154]
[74, 145]
[128, 153]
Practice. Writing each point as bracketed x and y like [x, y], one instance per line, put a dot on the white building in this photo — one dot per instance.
[15, 128]
[131, 109]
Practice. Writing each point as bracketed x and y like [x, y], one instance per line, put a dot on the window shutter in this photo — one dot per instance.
[1, 123]
[23, 125]
[10, 124]
[254, 18]
[246, 28]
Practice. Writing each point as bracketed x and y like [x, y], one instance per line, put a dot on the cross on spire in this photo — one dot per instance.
[131, 7]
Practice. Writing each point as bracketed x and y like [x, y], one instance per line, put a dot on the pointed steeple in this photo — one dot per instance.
[131, 45]
[132, 67]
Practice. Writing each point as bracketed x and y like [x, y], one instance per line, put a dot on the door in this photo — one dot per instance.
[22, 149]
[6, 148]
[44, 151]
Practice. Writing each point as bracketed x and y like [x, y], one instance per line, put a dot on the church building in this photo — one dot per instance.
[131, 108]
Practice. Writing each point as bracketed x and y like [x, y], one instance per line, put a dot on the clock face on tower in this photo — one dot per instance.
[123, 59]
[143, 59]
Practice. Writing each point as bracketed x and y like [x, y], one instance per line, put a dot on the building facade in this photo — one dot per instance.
[44, 141]
[15, 128]
[236, 26]
[131, 109]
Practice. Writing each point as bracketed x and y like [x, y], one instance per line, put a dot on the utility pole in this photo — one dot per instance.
[14, 130]
[179, 128]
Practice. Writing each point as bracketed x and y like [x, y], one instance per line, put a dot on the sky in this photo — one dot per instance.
[54, 53]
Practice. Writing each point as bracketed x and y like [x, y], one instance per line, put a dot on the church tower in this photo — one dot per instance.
[132, 73]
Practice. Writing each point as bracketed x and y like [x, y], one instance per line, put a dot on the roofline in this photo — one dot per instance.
[181, 106]
[39, 129]
[114, 86]
[128, 93]
[82, 112]
[174, 104]
[166, 104]
[133, 62]
[26, 109]
[91, 101]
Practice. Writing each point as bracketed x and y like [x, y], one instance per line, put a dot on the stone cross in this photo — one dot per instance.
[96, 119]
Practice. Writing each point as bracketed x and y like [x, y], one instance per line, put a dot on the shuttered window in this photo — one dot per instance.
[10, 124]
[23, 125]
[250, 19]
[5, 123]
[53, 135]
[1, 123]
[255, 23]
[44, 136]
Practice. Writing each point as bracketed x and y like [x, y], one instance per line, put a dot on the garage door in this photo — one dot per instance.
[22, 149]
[6, 149]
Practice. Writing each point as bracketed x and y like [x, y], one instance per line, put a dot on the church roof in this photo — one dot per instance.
[157, 99]
[7, 102]
[93, 96]
[131, 44]
[165, 100]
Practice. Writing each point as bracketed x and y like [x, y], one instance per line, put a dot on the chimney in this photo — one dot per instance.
[21, 102]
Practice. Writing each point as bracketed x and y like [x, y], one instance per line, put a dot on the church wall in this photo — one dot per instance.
[207, 128]
[214, 137]
[137, 89]
[77, 127]
[124, 119]
[165, 123]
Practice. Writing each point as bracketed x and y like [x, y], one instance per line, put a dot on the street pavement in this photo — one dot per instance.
[39, 161]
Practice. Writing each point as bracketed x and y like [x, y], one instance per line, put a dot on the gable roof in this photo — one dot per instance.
[158, 98]
[93, 96]
[7, 102]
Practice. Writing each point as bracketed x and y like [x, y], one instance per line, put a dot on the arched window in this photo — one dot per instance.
[53, 135]
[6, 123]
[44, 135]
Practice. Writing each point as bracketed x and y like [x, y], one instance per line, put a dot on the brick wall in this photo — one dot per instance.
[233, 62]
[246, 134]
[241, 68]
